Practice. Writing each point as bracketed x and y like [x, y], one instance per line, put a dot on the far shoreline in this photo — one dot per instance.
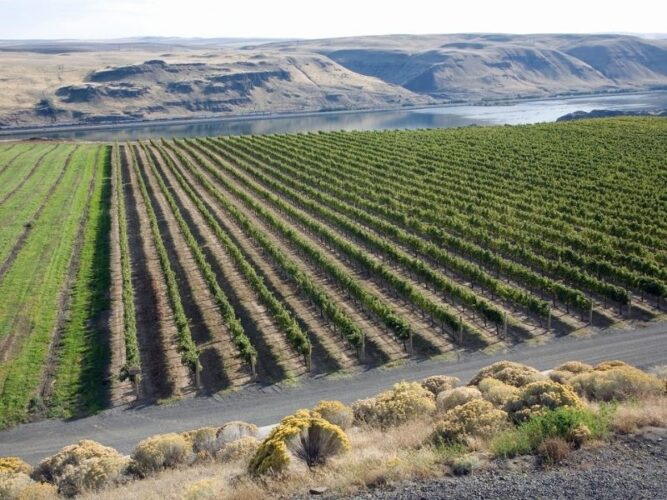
[26, 133]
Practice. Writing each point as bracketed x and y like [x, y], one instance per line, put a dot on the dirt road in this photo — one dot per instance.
[123, 427]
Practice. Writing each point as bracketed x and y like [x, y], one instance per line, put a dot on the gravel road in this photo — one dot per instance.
[123, 427]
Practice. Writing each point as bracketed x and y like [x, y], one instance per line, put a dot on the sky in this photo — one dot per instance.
[103, 19]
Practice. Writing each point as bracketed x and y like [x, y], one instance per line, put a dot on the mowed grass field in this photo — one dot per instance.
[50, 210]
[144, 271]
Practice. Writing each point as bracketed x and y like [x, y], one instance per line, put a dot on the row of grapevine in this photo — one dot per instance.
[517, 271]
[34, 287]
[487, 171]
[278, 181]
[132, 358]
[305, 284]
[186, 346]
[372, 266]
[543, 225]
[287, 323]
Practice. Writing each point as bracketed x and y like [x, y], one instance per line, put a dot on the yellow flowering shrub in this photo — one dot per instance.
[579, 435]
[204, 441]
[11, 484]
[84, 466]
[509, 372]
[457, 396]
[335, 412]
[38, 491]
[610, 364]
[160, 452]
[232, 431]
[475, 419]
[241, 449]
[439, 383]
[560, 377]
[403, 402]
[574, 367]
[566, 371]
[617, 382]
[363, 410]
[14, 464]
[304, 436]
[498, 393]
[539, 396]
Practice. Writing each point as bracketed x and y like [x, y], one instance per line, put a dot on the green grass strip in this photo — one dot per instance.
[83, 354]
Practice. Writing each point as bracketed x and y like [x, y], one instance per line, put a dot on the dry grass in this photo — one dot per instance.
[172, 484]
[553, 450]
[616, 381]
[661, 373]
[409, 450]
[377, 457]
[631, 417]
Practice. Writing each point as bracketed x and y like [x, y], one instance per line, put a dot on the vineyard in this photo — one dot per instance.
[158, 269]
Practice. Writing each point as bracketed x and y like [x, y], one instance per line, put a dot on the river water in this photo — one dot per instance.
[433, 117]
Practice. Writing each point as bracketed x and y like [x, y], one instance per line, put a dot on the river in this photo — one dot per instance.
[520, 112]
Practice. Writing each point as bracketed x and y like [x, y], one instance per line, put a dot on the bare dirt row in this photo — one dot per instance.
[163, 373]
[220, 367]
[386, 345]
[330, 353]
[425, 336]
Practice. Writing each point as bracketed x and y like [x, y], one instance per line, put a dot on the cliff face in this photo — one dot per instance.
[97, 87]
[96, 82]
[487, 66]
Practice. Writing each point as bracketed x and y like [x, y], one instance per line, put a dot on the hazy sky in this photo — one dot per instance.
[314, 19]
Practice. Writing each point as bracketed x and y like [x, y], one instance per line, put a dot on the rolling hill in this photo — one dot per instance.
[65, 82]
[479, 66]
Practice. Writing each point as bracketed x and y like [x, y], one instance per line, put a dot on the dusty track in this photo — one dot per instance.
[124, 427]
